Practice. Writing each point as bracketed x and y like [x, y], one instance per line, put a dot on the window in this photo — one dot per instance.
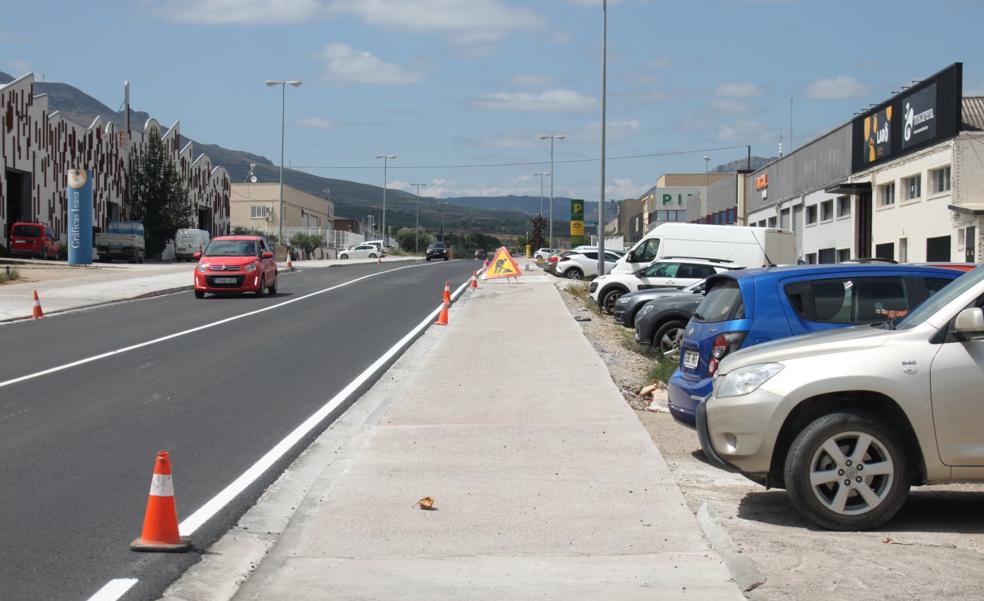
[811, 258]
[938, 249]
[843, 254]
[885, 251]
[912, 187]
[827, 211]
[773, 222]
[827, 256]
[934, 285]
[811, 215]
[784, 219]
[762, 223]
[939, 180]
[721, 302]
[843, 206]
[661, 270]
[591, 255]
[903, 250]
[848, 300]
[970, 244]
[691, 270]
[256, 212]
[886, 195]
[645, 252]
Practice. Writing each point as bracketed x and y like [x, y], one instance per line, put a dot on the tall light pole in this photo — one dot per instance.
[386, 159]
[283, 135]
[416, 231]
[541, 190]
[604, 98]
[552, 137]
[707, 205]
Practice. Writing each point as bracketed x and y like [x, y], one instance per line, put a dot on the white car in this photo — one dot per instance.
[543, 253]
[580, 265]
[665, 273]
[360, 251]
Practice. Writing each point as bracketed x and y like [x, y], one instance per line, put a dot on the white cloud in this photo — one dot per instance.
[462, 21]
[346, 64]
[746, 132]
[622, 188]
[737, 90]
[531, 80]
[836, 88]
[316, 123]
[729, 105]
[238, 12]
[547, 101]
[18, 67]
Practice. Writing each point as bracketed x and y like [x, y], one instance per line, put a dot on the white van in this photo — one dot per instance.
[741, 246]
[189, 241]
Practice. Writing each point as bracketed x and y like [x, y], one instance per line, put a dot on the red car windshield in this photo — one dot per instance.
[231, 248]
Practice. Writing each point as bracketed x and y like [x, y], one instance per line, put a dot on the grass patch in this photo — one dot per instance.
[629, 343]
[661, 370]
[579, 290]
[12, 276]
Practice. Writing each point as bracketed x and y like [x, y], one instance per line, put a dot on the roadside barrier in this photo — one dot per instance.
[37, 313]
[160, 528]
[442, 318]
[474, 280]
[447, 293]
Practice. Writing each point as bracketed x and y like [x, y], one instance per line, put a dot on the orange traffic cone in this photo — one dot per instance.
[160, 529]
[442, 318]
[379, 259]
[447, 293]
[290, 265]
[37, 313]
[474, 280]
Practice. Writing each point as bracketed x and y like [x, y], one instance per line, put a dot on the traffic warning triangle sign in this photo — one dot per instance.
[502, 266]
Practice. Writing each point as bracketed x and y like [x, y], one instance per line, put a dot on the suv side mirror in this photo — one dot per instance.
[969, 323]
[197, 255]
[267, 254]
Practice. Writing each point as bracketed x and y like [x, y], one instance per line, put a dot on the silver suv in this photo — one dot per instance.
[847, 420]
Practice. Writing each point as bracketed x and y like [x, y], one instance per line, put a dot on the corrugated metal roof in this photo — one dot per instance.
[973, 113]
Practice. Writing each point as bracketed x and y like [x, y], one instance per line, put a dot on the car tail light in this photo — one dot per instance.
[723, 345]
[553, 259]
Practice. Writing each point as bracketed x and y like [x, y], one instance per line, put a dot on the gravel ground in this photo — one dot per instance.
[934, 548]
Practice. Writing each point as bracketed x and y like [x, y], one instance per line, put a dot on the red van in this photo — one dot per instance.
[33, 240]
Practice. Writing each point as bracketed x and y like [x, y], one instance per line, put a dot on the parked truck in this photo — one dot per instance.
[121, 240]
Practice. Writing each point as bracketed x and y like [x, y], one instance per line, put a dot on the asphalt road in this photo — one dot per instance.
[77, 446]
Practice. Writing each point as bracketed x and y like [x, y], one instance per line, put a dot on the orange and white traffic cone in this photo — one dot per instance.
[474, 280]
[290, 265]
[37, 313]
[442, 318]
[447, 293]
[379, 259]
[160, 528]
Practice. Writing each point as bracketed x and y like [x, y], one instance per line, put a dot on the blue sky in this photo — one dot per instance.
[448, 82]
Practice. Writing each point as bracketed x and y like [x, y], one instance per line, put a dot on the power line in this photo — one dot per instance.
[527, 163]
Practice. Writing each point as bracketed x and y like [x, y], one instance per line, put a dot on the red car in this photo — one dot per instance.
[33, 240]
[233, 264]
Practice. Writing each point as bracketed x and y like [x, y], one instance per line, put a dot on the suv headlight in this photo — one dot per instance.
[745, 380]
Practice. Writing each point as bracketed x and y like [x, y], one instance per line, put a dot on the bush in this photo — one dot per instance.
[305, 242]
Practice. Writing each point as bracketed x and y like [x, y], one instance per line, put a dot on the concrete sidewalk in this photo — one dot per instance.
[101, 283]
[546, 484]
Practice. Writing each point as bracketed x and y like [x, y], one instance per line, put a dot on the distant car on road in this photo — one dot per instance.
[544, 253]
[480, 254]
[628, 305]
[746, 307]
[436, 250]
[189, 241]
[236, 264]
[33, 240]
[382, 248]
[360, 251]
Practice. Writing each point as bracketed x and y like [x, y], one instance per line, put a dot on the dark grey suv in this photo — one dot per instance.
[437, 250]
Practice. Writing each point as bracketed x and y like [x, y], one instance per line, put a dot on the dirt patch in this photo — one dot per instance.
[934, 548]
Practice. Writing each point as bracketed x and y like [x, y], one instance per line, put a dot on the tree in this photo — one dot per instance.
[306, 242]
[536, 236]
[407, 240]
[158, 196]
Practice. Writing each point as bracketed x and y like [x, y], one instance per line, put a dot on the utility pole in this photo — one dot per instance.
[416, 231]
[541, 190]
[552, 137]
[283, 134]
[604, 94]
[386, 158]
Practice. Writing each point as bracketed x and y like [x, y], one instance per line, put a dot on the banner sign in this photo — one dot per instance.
[79, 226]
[919, 117]
[878, 135]
[577, 217]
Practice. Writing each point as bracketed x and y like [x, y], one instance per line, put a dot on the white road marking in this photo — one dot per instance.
[207, 326]
[113, 590]
[194, 521]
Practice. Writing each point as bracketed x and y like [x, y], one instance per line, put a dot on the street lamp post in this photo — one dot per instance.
[541, 190]
[416, 231]
[551, 137]
[707, 205]
[283, 135]
[604, 95]
[386, 159]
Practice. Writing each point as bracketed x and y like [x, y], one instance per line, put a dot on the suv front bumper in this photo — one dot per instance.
[740, 432]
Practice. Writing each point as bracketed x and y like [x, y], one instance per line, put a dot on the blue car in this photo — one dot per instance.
[751, 306]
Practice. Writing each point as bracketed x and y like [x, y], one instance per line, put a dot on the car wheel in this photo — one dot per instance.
[611, 297]
[428, 258]
[574, 273]
[199, 294]
[372, 256]
[847, 471]
[273, 287]
[343, 257]
[262, 288]
[667, 339]
[445, 257]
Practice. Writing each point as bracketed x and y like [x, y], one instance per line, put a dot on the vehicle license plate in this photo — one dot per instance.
[691, 359]
[225, 280]
[20, 241]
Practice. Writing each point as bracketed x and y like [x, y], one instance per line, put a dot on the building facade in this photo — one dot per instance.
[257, 207]
[38, 147]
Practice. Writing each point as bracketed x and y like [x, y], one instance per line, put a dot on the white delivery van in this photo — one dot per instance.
[741, 246]
[187, 242]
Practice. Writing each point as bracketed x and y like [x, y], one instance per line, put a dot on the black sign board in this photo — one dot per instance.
[919, 117]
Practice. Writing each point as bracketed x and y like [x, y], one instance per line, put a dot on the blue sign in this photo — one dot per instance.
[79, 224]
